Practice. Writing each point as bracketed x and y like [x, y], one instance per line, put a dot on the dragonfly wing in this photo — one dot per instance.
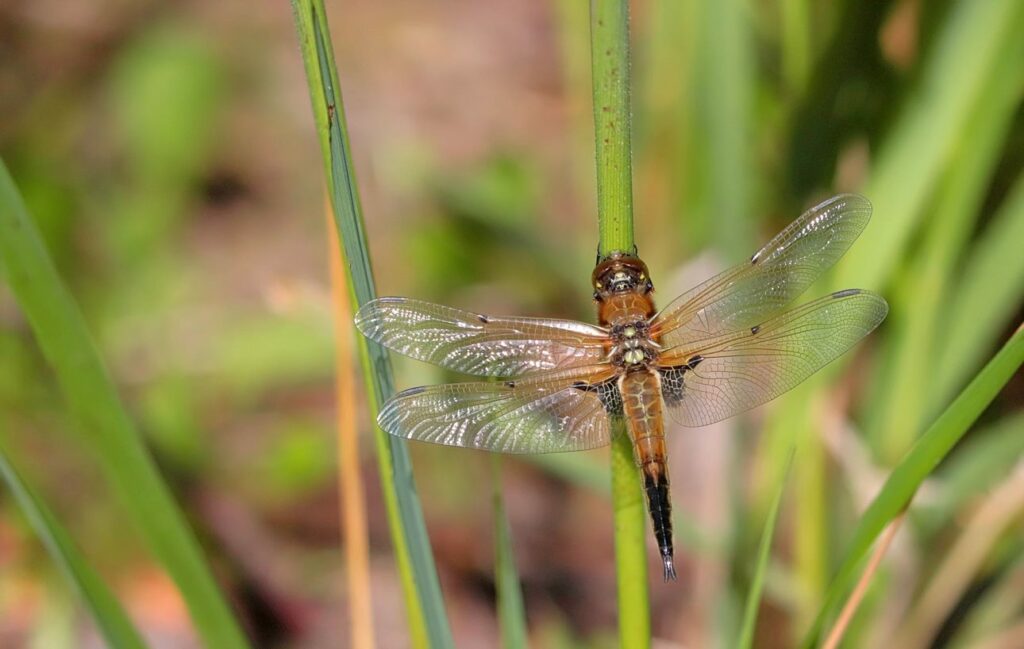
[473, 343]
[776, 275]
[718, 378]
[563, 411]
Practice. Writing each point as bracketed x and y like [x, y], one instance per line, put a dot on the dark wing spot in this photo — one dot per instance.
[510, 384]
[846, 293]
[607, 393]
[672, 383]
[694, 361]
[755, 329]
[484, 319]
[755, 257]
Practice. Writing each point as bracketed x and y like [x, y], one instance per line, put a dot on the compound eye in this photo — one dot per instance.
[597, 296]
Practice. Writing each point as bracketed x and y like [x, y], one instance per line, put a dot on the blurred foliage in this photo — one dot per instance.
[166, 155]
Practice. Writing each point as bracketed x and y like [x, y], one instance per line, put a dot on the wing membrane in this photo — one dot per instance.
[741, 370]
[777, 273]
[472, 343]
[543, 414]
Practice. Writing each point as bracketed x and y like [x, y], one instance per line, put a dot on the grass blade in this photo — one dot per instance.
[919, 462]
[113, 622]
[746, 638]
[609, 29]
[511, 613]
[110, 434]
[428, 624]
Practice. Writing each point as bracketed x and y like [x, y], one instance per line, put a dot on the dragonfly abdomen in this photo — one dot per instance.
[643, 408]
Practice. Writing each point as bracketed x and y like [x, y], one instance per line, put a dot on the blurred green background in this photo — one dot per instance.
[168, 155]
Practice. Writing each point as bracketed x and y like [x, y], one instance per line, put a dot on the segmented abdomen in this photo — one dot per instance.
[643, 407]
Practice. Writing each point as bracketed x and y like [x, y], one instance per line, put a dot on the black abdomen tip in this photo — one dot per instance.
[669, 566]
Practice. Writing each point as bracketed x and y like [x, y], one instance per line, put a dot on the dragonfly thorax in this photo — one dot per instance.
[633, 344]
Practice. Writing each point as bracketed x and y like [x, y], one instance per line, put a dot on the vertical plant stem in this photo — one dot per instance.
[609, 50]
[428, 624]
[630, 546]
[753, 604]
[511, 612]
[350, 485]
[609, 24]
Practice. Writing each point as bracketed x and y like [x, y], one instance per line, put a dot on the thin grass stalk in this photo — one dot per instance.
[609, 25]
[111, 619]
[428, 623]
[835, 636]
[918, 463]
[746, 637]
[511, 612]
[350, 485]
[127, 466]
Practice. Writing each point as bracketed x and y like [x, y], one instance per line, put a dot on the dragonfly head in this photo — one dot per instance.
[620, 273]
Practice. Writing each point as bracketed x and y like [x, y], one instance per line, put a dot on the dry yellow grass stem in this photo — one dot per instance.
[835, 636]
[350, 486]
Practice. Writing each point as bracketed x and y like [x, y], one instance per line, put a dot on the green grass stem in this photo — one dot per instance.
[428, 623]
[609, 50]
[511, 612]
[753, 603]
[609, 24]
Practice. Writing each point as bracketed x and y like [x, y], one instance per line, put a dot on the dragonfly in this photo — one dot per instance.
[725, 346]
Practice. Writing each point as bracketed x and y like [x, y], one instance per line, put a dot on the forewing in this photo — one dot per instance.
[477, 344]
[743, 369]
[777, 273]
[543, 414]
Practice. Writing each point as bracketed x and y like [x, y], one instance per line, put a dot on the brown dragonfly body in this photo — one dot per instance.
[624, 305]
[727, 345]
